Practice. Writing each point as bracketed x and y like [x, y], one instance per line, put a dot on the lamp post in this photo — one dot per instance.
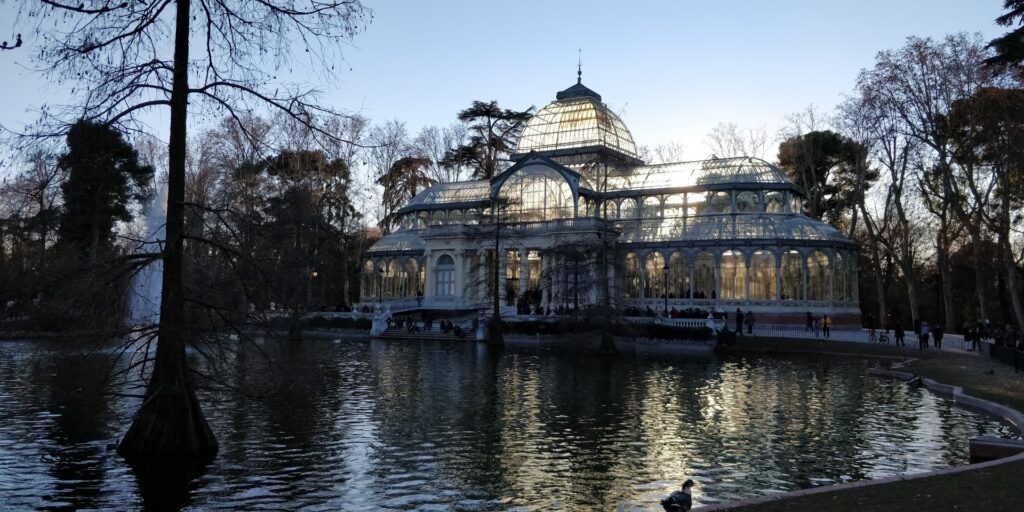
[664, 289]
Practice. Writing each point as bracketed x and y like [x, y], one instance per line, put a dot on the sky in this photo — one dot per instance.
[671, 69]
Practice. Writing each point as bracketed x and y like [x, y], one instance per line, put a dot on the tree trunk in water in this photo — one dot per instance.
[170, 421]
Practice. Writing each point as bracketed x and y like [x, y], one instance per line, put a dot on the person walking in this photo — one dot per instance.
[810, 323]
[826, 326]
[739, 322]
[816, 324]
[749, 320]
[922, 336]
[900, 335]
[937, 334]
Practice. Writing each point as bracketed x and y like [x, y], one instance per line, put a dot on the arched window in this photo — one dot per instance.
[840, 279]
[391, 279]
[704, 276]
[762, 276]
[652, 208]
[696, 204]
[747, 202]
[444, 276]
[369, 290]
[817, 276]
[537, 194]
[437, 218]
[627, 209]
[654, 282]
[733, 272]
[719, 202]
[632, 277]
[792, 276]
[796, 204]
[422, 219]
[678, 277]
[471, 217]
[775, 202]
[413, 286]
[455, 217]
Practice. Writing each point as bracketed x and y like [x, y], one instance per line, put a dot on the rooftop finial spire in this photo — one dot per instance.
[579, 66]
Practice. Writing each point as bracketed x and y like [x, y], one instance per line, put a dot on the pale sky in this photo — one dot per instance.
[672, 69]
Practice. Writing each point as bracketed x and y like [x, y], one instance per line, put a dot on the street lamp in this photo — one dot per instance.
[664, 289]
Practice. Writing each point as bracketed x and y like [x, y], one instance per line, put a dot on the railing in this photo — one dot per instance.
[950, 342]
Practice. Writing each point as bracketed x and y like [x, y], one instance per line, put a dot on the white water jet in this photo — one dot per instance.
[144, 297]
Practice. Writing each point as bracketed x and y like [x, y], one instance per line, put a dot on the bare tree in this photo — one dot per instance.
[661, 154]
[212, 55]
[435, 142]
[729, 140]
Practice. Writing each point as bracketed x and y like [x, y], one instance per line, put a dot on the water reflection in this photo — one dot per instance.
[365, 425]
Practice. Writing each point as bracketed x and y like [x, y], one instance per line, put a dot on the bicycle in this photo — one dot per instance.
[881, 339]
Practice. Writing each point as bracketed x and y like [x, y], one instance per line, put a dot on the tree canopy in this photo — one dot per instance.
[493, 135]
[104, 178]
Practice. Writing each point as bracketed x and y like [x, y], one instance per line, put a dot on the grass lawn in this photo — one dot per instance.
[993, 489]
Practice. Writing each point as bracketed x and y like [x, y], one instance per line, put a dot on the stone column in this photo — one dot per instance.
[428, 275]
[502, 258]
[460, 270]
[831, 274]
[545, 276]
[689, 284]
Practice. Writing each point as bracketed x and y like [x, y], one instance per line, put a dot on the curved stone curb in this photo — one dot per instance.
[1009, 414]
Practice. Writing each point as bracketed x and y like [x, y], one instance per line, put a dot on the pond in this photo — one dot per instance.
[354, 424]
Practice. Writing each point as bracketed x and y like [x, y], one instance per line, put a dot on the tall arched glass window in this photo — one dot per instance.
[414, 286]
[391, 277]
[747, 202]
[792, 276]
[678, 277]
[775, 201]
[368, 291]
[654, 282]
[628, 209]
[652, 208]
[537, 194]
[444, 276]
[817, 276]
[704, 276]
[762, 276]
[733, 273]
[719, 202]
[840, 279]
[632, 277]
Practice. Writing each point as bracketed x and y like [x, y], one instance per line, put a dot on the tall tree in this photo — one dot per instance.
[104, 179]
[120, 51]
[493, 132]
[406, 178]
[1009, 47]
[728, 140]
[987, 132]
[824, 163]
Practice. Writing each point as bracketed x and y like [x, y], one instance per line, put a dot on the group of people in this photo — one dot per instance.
[414, 326]
[744, 319]
[819, 324]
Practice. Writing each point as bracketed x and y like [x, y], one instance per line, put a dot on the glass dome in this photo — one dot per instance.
[451, 193]
[577, 119]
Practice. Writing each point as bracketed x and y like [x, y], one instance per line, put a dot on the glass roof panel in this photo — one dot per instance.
[577, 122]
[399, 241]
[778, 227]
[455, 192]
[720, 171]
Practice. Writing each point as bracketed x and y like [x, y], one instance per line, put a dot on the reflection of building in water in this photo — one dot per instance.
[724, 233]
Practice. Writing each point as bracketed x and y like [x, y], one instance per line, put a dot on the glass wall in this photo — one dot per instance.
[792, 276]
[704, 276]
[654, 276]
[762, 276]
[678, 277]
[632, 277]
[444, 276]
[535, 195]
[733, 275]
[817, 276]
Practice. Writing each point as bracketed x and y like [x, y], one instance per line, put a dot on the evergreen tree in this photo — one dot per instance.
[493, 134]
[104, 178]
[1009, 47]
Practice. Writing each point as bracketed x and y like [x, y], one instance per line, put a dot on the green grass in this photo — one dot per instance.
[993, 489]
